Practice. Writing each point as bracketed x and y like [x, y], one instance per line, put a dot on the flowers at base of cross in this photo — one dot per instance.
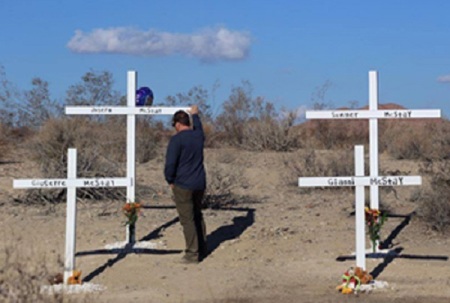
[75, 278]
[131, 211]
[374, 220]
[352, 280]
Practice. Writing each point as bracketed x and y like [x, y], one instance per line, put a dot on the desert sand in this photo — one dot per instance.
[273, 242]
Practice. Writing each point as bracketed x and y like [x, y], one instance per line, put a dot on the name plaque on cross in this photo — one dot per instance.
[359, 181]
[373, 114]
[64, 183]
[120, 110]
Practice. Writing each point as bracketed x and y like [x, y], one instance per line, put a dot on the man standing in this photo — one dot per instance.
[185, 173]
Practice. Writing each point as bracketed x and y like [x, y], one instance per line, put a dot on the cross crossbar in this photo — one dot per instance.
[359, 181]
[375, 114]
[122, 110]
[64, 183]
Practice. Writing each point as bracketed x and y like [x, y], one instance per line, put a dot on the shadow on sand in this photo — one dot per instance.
[220, 235]
[395, 253]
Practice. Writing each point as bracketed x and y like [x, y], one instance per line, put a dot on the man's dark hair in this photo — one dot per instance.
[181, 117]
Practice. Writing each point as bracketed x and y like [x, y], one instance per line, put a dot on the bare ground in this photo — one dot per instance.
[273, 243]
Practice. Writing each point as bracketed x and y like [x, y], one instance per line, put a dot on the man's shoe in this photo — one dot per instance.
[187, 259]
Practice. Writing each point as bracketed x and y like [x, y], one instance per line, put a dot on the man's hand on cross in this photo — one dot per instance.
[193, 110]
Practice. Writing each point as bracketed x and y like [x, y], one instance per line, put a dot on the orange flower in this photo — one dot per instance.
[375, 221]
[75, 278]
[131, 211]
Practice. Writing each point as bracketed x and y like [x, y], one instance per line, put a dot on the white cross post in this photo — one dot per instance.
[71, 184]
[373, 114]
[359, 181]
[130, 111]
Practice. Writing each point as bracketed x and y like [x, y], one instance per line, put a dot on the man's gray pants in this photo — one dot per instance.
[189, 207]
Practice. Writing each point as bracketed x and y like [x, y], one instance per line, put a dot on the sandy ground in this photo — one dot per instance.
[276, 243]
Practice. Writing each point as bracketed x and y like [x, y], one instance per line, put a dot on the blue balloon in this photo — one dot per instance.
[144, 96]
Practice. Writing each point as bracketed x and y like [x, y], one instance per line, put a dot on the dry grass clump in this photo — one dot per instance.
[21, 279]
[311, 163]
[417, 139]
[23, 276]
[223, 180]
[434, 203]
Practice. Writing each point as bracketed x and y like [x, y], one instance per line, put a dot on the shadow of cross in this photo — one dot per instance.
[131, 111]
[395, 253]
[359, 181]
[214, 239]
[71, 184]
[129, 248]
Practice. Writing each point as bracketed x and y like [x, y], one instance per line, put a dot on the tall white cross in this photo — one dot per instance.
[71, 184]
[373, 114]
[359, 181]
[130, 111]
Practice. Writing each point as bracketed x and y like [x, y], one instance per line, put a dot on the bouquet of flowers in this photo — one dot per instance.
[131, 211]
[375, 220]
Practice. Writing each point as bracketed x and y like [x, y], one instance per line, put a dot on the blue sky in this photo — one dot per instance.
[286, 49]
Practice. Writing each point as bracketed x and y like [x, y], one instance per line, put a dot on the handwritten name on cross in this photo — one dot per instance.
[130, 111]
[373, 114]
[71, 184]
[359, 181]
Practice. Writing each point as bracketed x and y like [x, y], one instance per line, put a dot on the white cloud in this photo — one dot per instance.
[444, 79]
[211, 44]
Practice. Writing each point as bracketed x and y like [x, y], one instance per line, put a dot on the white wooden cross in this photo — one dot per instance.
[71, 183]
[359, 181]
[130, 111]
[373, 114]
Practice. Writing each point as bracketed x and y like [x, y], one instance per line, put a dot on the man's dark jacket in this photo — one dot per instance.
[184, 158]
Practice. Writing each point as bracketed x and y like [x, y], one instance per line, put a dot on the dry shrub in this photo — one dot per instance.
[97, 157]
[270, 134]
[4, 144]
[254, 124]
[148, 140]
[434, 203]
[213, 138]
[323, 134]
[11, 139]
[223, 180]
[417, 139]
